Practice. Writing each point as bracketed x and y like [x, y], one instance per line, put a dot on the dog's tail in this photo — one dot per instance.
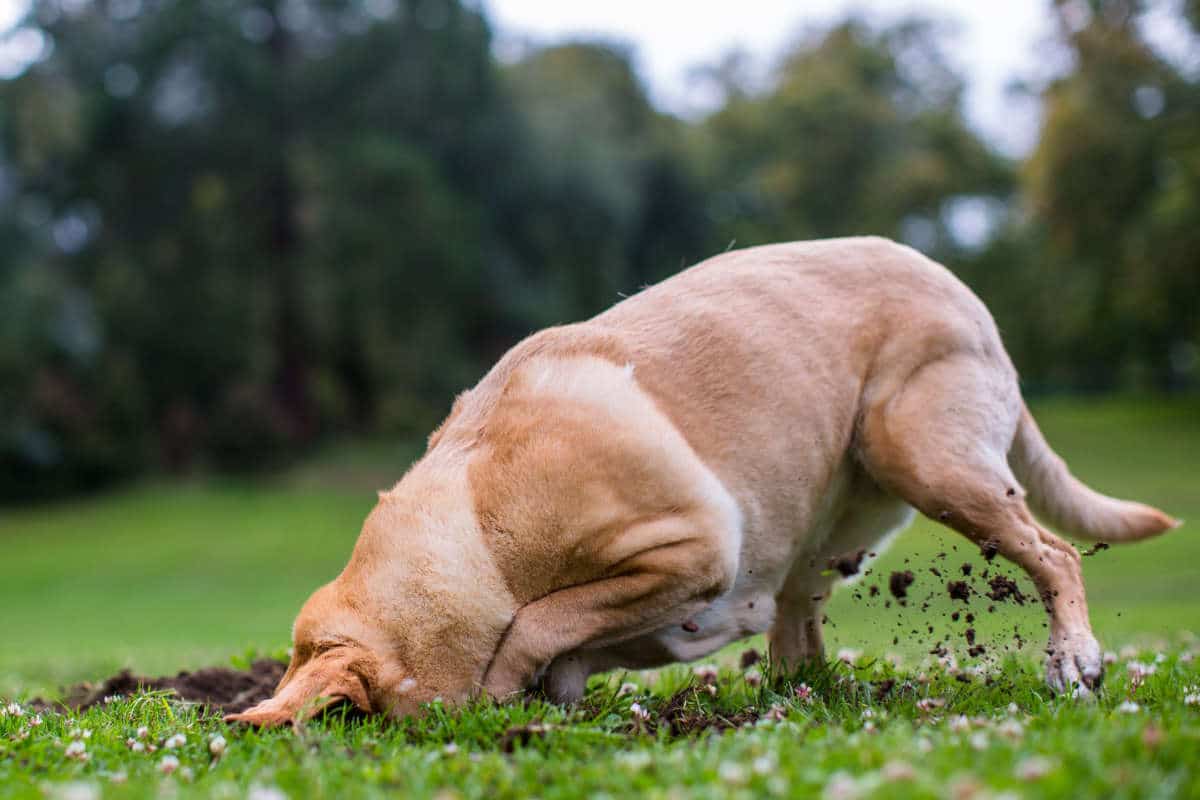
[1062, 500]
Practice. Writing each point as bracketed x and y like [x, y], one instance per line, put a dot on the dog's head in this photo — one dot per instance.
[336, 657]
[417, 614]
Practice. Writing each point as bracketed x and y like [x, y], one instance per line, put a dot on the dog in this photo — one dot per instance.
[679, 472]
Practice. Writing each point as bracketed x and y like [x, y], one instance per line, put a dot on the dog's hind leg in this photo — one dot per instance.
[940, 439]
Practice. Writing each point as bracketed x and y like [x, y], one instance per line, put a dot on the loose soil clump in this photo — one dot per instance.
[849, 563]
[220, 688]
[959, 590]
[522, 735]
[1004, 588]
[750, 658]
[682, 721]
[899, 582]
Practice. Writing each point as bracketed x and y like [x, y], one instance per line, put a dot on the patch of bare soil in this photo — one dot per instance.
[522, 735]
[684, 715]
[219, 688]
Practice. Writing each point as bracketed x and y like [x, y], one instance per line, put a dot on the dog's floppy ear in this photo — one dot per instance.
[305, 690]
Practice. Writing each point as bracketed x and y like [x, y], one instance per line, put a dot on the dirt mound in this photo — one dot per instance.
[220, 688]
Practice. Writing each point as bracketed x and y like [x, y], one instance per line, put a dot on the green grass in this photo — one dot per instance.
[161, 577]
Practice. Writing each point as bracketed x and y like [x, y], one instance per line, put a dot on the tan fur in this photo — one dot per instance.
[676, 474]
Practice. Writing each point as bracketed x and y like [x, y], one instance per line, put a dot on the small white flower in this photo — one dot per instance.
[927, 704]
[1034, 768]
[924, 745]
[1010, 729]
[869, 726]
[76, 750]
[867, 713]
[1192, 698]
[178, 740]
[265, 793]
[143, 732]
[216, 746]
[753, 678]
[450, 749]
[35, 720]
[959, 723]
[186, 774]
[627, 688]
[1014, 709]
[1141, 670]
[764, 765]
[848, 656]
[731, 772]
[635, 760]
[841, 786]
[979, 740]
[639, 712]
[168, 764]
[898, 771]
[137, 747]
[1129, 707]
[1110, 657]
[803, 693]
[706, 673]
[78, 791]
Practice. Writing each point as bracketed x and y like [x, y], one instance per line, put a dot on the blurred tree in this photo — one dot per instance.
[181, 151]
[861, 131]
[1114, 191]
[621, 208]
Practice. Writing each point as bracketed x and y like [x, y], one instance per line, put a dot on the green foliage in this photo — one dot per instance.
[1114, 194]
[860, 132]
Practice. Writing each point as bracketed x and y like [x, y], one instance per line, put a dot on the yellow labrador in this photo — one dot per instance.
[677, 473]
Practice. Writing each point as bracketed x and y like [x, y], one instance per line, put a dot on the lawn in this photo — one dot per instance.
[161, 577]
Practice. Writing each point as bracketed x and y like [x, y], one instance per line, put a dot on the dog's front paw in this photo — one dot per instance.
[1074, 664]
[566, 680]
[510, 674]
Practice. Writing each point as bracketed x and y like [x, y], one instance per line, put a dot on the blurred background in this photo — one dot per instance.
[250, 249]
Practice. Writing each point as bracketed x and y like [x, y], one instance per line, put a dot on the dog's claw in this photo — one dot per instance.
[1075, 665]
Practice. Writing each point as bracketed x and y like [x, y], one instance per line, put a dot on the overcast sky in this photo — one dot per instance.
[994, 43]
